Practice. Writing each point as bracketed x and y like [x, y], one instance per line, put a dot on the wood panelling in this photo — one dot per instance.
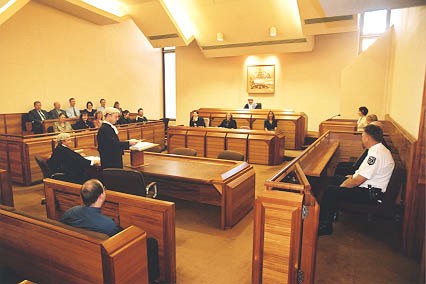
[196, 140]
[17, 151]
[6, 193]
[155, 217]
[348, 125]
[292, 124]
[211, 141]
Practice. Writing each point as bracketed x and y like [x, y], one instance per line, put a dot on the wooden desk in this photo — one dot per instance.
[227, 184]
[210, 141]
[337, 125]
[6, 193]
[293, 124]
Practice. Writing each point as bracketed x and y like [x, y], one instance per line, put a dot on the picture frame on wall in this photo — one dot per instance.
[261, 79]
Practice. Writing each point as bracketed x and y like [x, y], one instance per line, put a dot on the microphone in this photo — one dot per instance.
[334, 116]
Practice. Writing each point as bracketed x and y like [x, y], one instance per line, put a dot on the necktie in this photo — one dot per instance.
[75, 113]
[41, 115]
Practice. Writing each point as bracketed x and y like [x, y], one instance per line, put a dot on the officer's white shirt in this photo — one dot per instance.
[377, 167]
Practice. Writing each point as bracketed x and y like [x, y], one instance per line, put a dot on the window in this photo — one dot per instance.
[169, 82]
[372, 25]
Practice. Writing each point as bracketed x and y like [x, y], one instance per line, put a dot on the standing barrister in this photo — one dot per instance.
[110, 148]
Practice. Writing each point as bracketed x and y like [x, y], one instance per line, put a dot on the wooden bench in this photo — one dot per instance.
[317, 156]
[155, 217]
[285, 229]
[47, 251]
[6, 193]
[17, 152]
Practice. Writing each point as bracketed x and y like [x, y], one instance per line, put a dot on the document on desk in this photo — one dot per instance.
[93, 158]
[142, 146]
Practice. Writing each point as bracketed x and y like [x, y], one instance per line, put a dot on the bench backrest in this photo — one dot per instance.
[49, 252]
[155, 217]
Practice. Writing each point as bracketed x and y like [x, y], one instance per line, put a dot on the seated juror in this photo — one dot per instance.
[251, 104]
[61, 125]
[228, 122]
[110, 148]
[83, 122]
[125, 118]
[366, 186]
[270, 123]
[65, 160]
[56, 111]
[36, 116]
[90, 217]
[196, 121]
[72, 111]
[140, 117]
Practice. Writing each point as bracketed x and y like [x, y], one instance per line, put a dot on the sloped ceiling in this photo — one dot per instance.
[245, 24]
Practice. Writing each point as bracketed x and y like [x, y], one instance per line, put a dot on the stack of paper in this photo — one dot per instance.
[93, 158]
[142, 146]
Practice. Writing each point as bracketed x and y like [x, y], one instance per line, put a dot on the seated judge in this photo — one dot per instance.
[125, 118]
[66, 161]
[56, 111]
[110, 148]
[251, 104]
[270, 123]
[140, 117]
[36, 116]
[89, 109]
[89, 216]
[228, 122]
[366, 186]
[83, 122]
[72, 111]
[196, 121]
[99, 117]
[62, 125]
[362, 120]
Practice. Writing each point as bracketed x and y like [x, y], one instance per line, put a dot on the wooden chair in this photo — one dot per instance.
[184, 152]
[128, 181]
[231, 155]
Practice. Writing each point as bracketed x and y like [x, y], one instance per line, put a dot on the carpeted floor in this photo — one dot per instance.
[357, 252]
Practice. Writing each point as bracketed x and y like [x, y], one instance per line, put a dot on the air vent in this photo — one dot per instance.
[157, 37]
[258, 43]
[328, 19]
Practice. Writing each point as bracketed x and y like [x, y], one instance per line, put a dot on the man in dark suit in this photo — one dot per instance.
[109, 146]
[36, 116]
[56, 111]
[65, 160]
[252, 105]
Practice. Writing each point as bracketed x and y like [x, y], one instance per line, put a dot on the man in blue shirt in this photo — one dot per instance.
[89, 216]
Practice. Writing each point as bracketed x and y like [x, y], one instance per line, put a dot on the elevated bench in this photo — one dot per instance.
[47, 251]
[155, 217]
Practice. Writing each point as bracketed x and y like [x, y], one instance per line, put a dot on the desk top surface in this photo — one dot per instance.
[204, 170]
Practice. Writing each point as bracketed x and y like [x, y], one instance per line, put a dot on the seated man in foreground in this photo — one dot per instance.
[90, 217]
[366, 185]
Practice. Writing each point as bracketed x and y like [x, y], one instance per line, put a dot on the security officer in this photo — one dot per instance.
[367, 185]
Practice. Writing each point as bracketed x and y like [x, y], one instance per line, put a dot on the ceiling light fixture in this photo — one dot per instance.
[219, 36]
[273, 31]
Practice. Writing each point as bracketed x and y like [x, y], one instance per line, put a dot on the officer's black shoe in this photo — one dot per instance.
[325, 229]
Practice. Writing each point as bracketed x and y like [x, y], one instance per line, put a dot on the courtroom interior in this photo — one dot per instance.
[223, 137]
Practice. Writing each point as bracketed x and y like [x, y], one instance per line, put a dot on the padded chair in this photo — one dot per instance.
[184, 152]
[128, 181]
[42, 163]
[231, 155]
[206, 121]
[156, 149]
